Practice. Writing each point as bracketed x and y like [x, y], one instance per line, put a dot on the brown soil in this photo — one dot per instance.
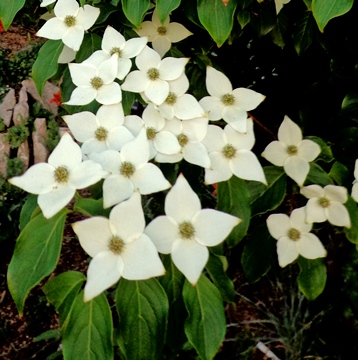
[16, 38]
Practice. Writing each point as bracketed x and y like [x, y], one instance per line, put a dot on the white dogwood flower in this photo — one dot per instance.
[291, 152]
[95, 83]
[56, 182]
[70, 23]
[327, 204]
[355, 183]
[162, 35]
[153, 75]
[114, 43]
[129, 170]
[279, 4]
[99, 132]
[186, 230]
[118, 247]
[46, 2]
[230, 154]
[226, 103]
[293, 237]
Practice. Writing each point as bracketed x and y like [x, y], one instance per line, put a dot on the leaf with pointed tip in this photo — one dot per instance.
[352, 233]
[303, 32]
[8, 10]
[165, 7]
[134, 10]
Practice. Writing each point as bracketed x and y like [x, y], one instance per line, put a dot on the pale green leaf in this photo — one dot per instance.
[46, 64]
[217, 18]
[134, 10]
[143, 311]
[325, 10]
[35, 256]
[205, 326]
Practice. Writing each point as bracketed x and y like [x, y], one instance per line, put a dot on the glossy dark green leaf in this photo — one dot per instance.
[350, 106]
[215, 268]
[326, 154]
[143, 311]
[89, 331]
[165, 7]
[205, 326]
[325, 10]
[259, 253]
[352, 233]
[91, 43]
[27, 210]
[340, 174]
[134, 10]
[312, 277]
[303, 32]
[279, 33]
[234, 198]
[62, 290]
[128, 99]
[217, 18]
[317, 176]
[46, 63]
[267, 198]
[105, 11]
[35, 256]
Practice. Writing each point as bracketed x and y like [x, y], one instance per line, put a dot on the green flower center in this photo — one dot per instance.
[183, 140]
[324, 202]
[116, 245]
[186, 230]
[292, 150]
[151, 133]
[153, 74]
[229, 151]
[70, 21]
[101, 134]
[228, 99]
[61, 174]
[96, 82]
[116, 50]
[127, 169]
[162, 30]
[171, 99]
[294, 234]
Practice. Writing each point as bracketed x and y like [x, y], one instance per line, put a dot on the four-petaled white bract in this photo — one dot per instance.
[226, 103]
[293, 237]
[279, 4]
[162, 35]
[118, 247]
[327, 204]
[70, 23]
[56, 182]
[291, 152]
[187, 230]
[355, 182]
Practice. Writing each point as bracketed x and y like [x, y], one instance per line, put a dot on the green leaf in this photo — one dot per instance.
[215, 268]
[36, 254]
[27, 210]
[91, 207]
[88, 335]
[105, 11]
[173, 283]
[303, 32]
[326, 154]
[352, 233]
[266, 18]
[258, 254]
[234, 199]
[143, 311]
[49, 334]
[217, 18]
[350, 106]
[317, 176]
[165, 7]
[205, 326]
[8, 10]
[340, 174]
[46, 64]
[243, 18]
[325, 10]
[312, 277]
[91, 43]
[134, 10]
[128, 99]
[62, 290]
[279, 32]
[267, 198]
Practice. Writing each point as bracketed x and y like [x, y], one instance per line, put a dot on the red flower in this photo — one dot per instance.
[1, 27]
[56, 99]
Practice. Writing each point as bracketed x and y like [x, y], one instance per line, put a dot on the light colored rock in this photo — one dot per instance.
[23, 154]
[4, 153]
[39, 138]
[7, 106]
[21, 109]
[47, 94]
